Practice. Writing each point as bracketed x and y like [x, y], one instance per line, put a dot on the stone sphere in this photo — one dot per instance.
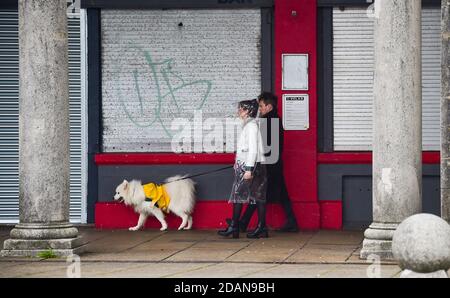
[421, 243]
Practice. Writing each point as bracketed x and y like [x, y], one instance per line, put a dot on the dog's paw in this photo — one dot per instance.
[187, 228]
[133, 229]
[163, 228]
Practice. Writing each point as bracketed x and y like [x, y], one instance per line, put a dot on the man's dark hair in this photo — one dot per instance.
[269, 98]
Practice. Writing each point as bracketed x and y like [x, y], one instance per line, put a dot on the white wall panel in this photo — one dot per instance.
[353, 64]
[155, 70]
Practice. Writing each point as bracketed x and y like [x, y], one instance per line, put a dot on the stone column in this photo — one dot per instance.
[397, 118]
[445, 116]
[44, 167]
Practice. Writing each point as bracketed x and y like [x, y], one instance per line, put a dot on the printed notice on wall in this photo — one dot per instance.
[296, 112]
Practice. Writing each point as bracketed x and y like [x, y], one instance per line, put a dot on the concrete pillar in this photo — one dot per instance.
[445, 116]
[397, 118]
[44, 167]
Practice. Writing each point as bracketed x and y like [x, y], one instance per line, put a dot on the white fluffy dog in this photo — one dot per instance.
[182, 201]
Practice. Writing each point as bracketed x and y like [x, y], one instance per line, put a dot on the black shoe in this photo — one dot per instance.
[260, 232]
[232, 229]
[242, 225]
[289, 227]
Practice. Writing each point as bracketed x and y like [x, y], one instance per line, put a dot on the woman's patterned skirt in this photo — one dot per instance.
[249, 191]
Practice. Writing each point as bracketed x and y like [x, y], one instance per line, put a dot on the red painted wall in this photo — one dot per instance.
[297, 34]
[293, 34]
[207, 215]
[331, 215]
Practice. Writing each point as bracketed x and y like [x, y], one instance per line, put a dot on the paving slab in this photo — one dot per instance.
[325, 271]
[91, 234]
[219, 243]
[224, 270]
[276, 248]
[264, 251]
[132, 256]
[321, 253]
[286, 240]
[354, 259]
[293, 271]
[158, 270]
[153, 248]
[6, 264]
[121, 240]
[97, 269]
[30, 269]
[361, 271]
[337, 237]
[191, 235]
[164, 245]
[202, 255]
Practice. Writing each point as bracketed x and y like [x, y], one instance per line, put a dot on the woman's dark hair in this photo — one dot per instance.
[251, 106]
[269, 98]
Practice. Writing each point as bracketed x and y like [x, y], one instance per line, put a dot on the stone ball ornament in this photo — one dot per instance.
[421, 244]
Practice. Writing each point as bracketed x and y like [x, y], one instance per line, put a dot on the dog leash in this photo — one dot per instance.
[201, 174]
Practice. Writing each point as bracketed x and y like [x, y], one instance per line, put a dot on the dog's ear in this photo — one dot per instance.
[125, 183]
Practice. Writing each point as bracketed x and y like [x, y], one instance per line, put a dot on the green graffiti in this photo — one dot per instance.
[160, 76]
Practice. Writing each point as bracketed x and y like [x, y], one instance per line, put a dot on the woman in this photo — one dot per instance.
[250, 180]
[276, 186]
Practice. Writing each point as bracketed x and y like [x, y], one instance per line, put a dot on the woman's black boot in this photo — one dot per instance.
[260, 232]
[232, 229]
[245, 219]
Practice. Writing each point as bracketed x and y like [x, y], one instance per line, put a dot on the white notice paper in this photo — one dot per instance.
[295, 72]
[296, 112]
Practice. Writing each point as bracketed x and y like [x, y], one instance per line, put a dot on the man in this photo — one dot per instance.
[276, 186]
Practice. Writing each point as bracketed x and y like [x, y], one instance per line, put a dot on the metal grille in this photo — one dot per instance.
[9, 117]
[353, 64]
[159, 65]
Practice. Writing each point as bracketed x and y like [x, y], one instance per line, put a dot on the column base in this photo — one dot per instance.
[413, 274]
[31, 239]
[378, 241]
[44, 231]
[32, 248]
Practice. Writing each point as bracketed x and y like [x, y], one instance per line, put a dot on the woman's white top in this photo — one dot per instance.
[250, 149]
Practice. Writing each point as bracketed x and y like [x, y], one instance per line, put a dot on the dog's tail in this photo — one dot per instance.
[182, 193]
[176, 178]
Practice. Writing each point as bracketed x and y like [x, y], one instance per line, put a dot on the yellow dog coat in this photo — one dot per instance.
[158, 195]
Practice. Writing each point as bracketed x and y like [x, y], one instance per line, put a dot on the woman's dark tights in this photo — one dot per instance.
[261, 213]
[237, 209]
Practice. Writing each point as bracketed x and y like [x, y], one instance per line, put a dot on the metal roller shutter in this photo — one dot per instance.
[159, 65]
[353, 63]
[9, 115]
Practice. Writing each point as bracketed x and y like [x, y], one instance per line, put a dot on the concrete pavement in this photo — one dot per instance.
[202, 253]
